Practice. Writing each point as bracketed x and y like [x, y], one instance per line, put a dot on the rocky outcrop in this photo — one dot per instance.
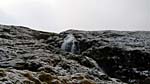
[106, 57]
[34, 57]
[121, 54]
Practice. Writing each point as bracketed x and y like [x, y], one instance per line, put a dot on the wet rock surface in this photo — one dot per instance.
[106, 57]
[121, 54]
[34, 57]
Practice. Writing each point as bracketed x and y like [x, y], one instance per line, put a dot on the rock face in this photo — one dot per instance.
[34, 57]
[121, 54]
[106, 57]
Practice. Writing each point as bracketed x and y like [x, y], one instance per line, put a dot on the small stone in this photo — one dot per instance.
[85, 81]
[45, 77]
[2, 73]
[55, 81]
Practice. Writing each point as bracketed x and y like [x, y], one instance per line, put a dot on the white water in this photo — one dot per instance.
[95, 64]
[70, 44]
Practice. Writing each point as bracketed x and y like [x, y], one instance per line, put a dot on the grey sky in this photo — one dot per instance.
[59, 15]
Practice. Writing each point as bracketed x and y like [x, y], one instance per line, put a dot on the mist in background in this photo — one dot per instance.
[60, 15]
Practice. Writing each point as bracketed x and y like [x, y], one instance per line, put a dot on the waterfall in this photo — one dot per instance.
[70, 44]
[95, 64]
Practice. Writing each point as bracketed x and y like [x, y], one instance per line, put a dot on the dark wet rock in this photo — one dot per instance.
[121, 54]
[34, 57]
[146, 81]
[28, 56]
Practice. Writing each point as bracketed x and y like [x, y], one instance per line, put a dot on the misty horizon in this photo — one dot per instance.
[91, 15]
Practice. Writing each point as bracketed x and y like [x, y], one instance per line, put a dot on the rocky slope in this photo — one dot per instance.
[34, 57]
[106, 57]
[121, 54]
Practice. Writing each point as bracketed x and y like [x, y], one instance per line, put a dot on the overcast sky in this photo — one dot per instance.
[60, 15]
